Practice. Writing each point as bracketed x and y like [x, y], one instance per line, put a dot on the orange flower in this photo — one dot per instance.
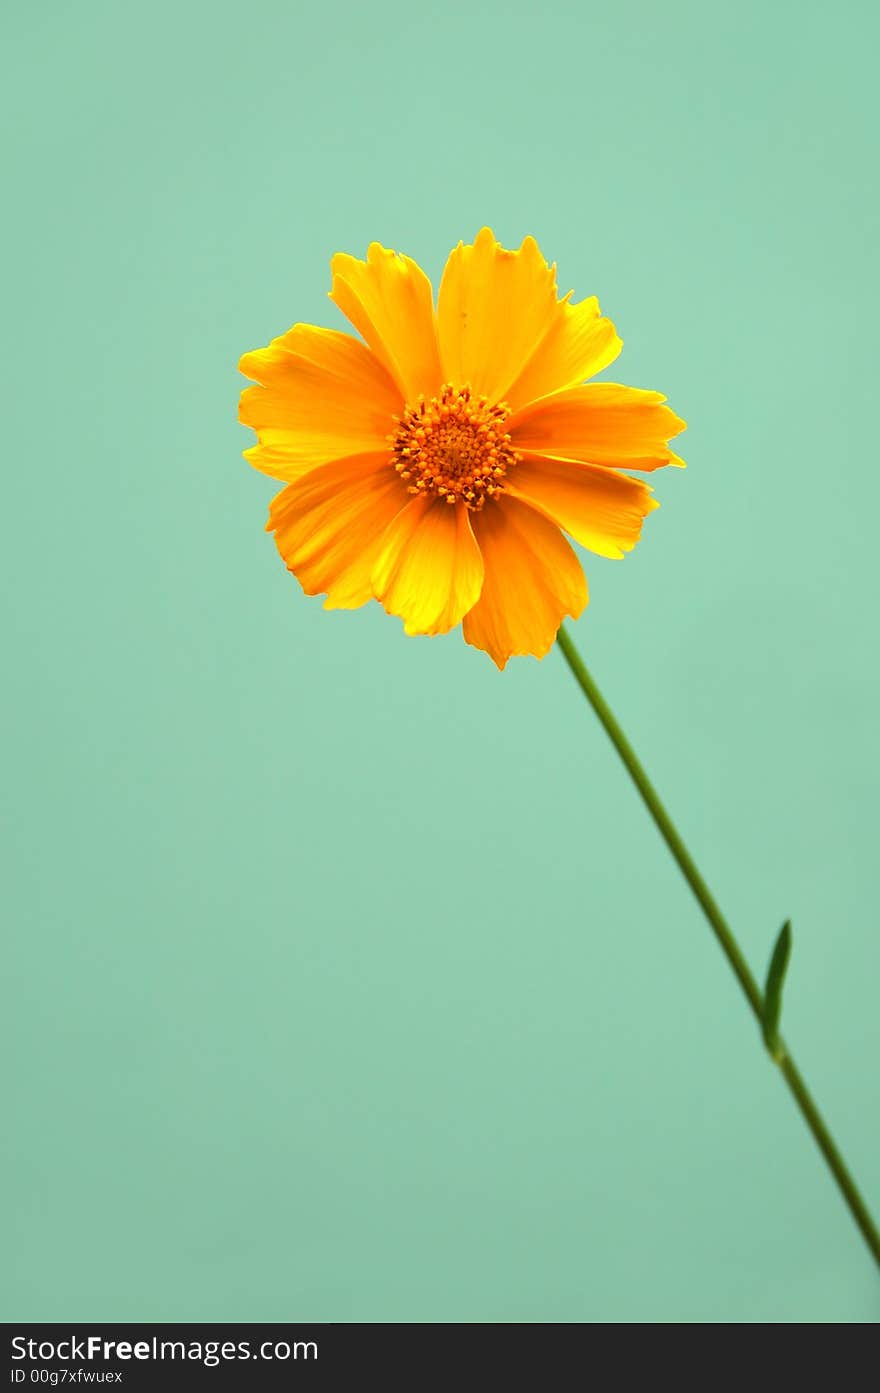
[432, 466]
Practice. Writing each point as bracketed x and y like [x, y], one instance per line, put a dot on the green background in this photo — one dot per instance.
[349, 979]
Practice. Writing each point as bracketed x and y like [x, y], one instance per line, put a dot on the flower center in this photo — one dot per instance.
[454, 446]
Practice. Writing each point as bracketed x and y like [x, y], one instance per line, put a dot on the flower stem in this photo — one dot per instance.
[726, 939]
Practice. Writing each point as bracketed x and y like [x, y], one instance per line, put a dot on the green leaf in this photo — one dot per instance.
[773, 990]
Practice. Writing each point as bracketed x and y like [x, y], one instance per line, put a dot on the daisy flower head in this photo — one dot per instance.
[434, 463]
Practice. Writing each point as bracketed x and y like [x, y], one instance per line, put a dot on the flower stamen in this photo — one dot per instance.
[454, 446]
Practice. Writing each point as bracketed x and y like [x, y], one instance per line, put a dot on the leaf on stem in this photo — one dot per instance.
[773, 990]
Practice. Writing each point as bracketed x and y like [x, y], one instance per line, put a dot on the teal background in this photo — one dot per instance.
[348, 978]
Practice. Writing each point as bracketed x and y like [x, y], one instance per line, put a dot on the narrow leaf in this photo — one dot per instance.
[773, 990]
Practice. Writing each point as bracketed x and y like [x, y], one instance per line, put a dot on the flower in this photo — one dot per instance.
[435, 465]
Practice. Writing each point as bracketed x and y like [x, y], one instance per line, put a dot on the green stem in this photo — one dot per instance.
[724, 935]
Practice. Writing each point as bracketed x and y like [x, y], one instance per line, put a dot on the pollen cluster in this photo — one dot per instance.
[455, 446]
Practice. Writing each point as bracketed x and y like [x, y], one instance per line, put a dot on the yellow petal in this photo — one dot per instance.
[389, 300]
[329, 526]
[601, 423]
[601, 509]
[324, 396]
[493, 309]
[579, 343]
[429, 570]
[533, 579]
